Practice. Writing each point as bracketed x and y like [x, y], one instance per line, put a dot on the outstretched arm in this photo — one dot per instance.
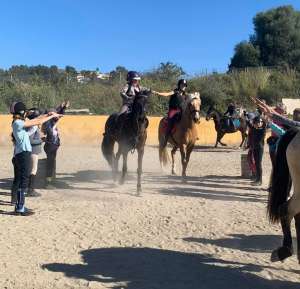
[62, 108]
[274, 115]
[285, 121]
[40, 121]
[165, 94]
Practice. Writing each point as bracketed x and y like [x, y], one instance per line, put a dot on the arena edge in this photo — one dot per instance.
[81, 129]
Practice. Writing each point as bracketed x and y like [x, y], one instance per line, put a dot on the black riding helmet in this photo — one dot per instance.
[33, 113]
[180, 82]
[18, 108]
[132, 75]
[257, 119]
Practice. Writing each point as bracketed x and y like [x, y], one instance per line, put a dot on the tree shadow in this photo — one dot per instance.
[147, 268]
[220, 195]
[5, 184]
[242, 242]
[212, 149]
[203, 182]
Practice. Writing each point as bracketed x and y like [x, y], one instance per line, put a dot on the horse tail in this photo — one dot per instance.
[281, 182]
[107, 147]
[164, 158]
[108, 143]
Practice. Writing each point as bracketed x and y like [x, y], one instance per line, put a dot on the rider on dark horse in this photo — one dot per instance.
[128, 94]
[231, 114]
[176, 103]
[130, 91]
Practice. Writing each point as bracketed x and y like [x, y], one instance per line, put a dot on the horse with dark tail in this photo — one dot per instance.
[281, 208]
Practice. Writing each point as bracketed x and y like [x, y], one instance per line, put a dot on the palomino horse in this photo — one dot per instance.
[281, 208]
[185, 135]
[131, 135]
[222, 129]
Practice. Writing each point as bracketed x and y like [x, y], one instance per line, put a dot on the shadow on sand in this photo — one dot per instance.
[147, 268]
[246, 243]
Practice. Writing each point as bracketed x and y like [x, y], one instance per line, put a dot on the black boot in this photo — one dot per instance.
[14, 194]
[31, 191]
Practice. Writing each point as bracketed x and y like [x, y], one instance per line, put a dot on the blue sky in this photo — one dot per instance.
[86, 34]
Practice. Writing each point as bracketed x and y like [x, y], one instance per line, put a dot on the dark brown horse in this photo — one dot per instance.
[130, 132]
[222, 128]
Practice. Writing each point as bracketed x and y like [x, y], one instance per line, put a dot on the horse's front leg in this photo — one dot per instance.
[140, 170]
[244, 135]
[173, 152]
[188, 153]
[297, 223]
[124, 170]
[183, 162]
[220, 136]
[116, 164]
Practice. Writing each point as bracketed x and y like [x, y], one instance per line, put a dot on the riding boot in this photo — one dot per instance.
[20, 208]
[49, 183]
[14, 194]
[31, 191]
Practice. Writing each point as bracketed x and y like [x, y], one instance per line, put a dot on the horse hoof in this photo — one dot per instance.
[174, 173]
[281, 254]
[121, 182]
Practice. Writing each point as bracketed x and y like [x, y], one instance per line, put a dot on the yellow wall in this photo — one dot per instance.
[89, 130]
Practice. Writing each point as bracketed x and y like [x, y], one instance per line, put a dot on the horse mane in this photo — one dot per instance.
[190, 97]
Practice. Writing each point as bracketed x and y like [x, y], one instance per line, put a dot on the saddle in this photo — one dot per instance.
[165, 126]
[230, 124]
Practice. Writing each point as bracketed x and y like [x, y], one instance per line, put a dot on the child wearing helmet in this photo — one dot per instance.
[130, 90]
[22, 151]
[176, 103]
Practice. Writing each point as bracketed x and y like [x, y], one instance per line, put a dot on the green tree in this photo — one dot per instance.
[245, 55]
[275, 42]
[277, 33]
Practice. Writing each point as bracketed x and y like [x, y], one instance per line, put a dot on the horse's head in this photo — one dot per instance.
[210, 113]
[193, 102]
[139, 107]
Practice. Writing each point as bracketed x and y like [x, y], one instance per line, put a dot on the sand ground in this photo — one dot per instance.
[89, 233]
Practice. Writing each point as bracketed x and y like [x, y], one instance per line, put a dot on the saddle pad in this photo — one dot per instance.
[237, 123]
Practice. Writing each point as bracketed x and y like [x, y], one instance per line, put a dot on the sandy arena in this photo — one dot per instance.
[210, 233]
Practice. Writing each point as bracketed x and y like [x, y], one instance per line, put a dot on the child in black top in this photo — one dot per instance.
[52, 143]
[258, 142]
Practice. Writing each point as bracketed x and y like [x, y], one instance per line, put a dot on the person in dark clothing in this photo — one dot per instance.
[258, 142]
[52, 143]
[176, 103]
[250, 157]
[231, 114]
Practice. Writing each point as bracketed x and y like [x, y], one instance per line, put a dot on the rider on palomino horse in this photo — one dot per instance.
[176, 102]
